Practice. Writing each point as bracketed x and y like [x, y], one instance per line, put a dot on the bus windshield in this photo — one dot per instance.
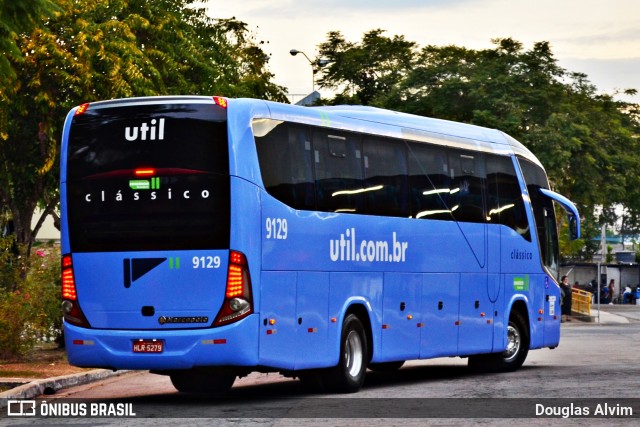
[544, 215]
[148, 177]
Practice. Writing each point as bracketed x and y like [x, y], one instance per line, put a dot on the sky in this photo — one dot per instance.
[595, 37]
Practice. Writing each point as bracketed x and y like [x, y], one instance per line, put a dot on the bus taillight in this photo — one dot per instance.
[144, 172]
[220, 101]
[70, 305]
[238, 302]
[68, 280]
[81, 109]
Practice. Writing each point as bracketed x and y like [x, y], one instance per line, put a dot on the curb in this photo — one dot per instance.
[52, 385]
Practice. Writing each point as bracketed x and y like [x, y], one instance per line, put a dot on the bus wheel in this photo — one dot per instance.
[348, 375]
[386, 366]
[194, 381]
[513, 356]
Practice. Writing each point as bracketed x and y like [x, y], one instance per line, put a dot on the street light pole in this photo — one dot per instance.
[294, 52]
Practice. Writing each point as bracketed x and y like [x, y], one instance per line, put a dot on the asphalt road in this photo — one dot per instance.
[595, 365]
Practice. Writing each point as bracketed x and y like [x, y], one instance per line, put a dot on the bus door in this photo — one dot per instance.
[550, 239]
[546, 229]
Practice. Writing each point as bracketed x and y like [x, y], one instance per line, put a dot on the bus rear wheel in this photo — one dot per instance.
[195, 381]
[513, 356]
[348, 375]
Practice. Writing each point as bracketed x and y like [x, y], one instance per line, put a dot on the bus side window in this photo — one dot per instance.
[301, 168]
[504, 197]
[466, 171]
[286, 165]
[429, 182]
[338, 165]
[385, 166]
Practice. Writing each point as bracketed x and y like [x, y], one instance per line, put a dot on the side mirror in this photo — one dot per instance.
[570, 208]
[573, 227]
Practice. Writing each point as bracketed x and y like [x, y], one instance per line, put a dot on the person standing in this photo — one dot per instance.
[612, 294]
[565, 290]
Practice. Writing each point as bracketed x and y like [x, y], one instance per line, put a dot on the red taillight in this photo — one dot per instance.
[237, 275]
[66, 261]
[220, 101]
[68, 286]
[81, 109]
[68, 280]
[238, 302]
[235, 281]
[70, 305]
[145, 172]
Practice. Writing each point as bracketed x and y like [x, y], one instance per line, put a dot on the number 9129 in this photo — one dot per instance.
[205, 262]
[276, 228]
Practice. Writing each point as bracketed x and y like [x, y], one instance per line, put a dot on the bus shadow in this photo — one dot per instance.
[289, 398]
[416, 374]
[283, 390]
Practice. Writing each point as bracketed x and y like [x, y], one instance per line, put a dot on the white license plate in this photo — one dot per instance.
[148, 346]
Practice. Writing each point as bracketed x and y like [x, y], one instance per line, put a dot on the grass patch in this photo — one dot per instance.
[19, 374]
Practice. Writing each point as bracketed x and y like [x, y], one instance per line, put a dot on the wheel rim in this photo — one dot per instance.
[353, 354]
[514, 341]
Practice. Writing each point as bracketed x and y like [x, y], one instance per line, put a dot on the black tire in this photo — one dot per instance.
[515, 354]
[194, 381]
[348, 375]
[386, 366]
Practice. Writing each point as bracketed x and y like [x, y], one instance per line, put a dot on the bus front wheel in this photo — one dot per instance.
[513, 356]
[348, 375]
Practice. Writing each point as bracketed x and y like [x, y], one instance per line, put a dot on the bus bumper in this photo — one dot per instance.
[231, 345]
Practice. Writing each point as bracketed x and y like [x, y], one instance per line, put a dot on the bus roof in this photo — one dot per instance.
[366, 119]
[403, 125]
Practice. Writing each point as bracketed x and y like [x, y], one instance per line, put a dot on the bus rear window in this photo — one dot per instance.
[148, 177]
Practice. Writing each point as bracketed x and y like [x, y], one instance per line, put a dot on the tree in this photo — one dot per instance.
[503, 86]
[587, 141]
[364, 71]
[108, 49]
[17, 17]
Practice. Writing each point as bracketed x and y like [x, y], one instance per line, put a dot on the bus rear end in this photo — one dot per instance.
[149, 278]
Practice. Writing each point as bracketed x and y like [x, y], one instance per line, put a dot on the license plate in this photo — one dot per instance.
[148, 346]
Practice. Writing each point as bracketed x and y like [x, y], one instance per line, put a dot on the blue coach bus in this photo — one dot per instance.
[205, 238]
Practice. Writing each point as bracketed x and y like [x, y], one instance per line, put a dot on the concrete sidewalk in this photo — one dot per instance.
[46, 386]
[613, 314]
[606, 318]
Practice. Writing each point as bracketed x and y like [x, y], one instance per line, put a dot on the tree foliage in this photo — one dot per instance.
[102, 49]
[17, 17]
[364, 72]
[587, 141]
